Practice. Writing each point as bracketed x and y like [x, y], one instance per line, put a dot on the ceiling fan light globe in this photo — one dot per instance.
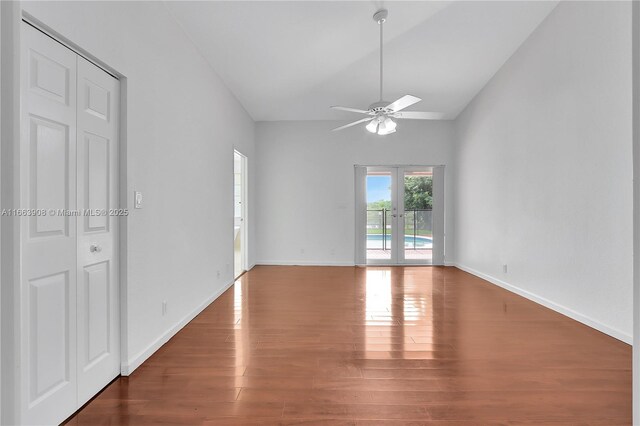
[389, 124]
[372, 126]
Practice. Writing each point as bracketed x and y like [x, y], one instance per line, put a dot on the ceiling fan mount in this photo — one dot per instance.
[381, 112]
[380, 16]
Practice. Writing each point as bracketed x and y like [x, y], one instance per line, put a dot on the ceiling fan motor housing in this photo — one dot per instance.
[379, 107]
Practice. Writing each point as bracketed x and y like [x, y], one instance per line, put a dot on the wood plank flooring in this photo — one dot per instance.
[374, 346]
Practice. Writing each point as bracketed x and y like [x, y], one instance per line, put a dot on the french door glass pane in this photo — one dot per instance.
[379, 215]
[418, 212]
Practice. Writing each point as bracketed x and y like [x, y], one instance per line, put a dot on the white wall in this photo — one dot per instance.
[9, 101]
[305, 183]
[182, 127]
[544, 171]
[2, 117]
[636, 211]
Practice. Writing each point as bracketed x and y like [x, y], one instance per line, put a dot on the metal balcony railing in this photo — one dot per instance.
[417, 223]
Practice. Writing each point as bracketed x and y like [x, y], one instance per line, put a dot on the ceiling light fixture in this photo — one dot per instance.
[381, 112]
[372, 126]
[386, 127]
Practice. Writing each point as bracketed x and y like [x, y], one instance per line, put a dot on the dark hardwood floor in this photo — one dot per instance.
[374, 346]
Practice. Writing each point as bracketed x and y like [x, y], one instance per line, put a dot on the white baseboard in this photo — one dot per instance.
[330, 263]
[613, 332]
[303, 263]
[135, 362]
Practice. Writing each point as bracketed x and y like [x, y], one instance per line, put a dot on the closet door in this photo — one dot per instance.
[47, 237]
[97, 150]
[69, 298]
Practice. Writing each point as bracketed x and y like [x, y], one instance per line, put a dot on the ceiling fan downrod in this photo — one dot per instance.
[380, 17]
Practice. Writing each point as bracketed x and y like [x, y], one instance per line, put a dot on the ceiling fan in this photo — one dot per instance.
[382, 113]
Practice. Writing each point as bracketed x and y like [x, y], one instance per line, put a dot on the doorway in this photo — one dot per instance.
[400, 215]
[239, 213]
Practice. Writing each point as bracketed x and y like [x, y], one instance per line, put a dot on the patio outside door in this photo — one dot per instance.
[400, 215]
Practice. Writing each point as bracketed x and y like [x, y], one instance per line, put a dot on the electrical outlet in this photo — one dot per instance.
[333, 252]
[504, 268]
[164, 307]
[218, 274]
[301, 251]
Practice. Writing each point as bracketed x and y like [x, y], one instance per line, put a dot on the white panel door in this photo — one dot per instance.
[47, 237]
[69, 286]
[97, 150]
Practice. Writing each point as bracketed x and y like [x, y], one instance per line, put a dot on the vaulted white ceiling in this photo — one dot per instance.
[288, 60]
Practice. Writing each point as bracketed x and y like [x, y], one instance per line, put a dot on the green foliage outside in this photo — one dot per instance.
[379, 205]
[418, 194]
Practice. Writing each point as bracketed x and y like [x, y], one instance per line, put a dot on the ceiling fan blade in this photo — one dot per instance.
[419, 115]
[403, 102]
[341, 108]
[353, 124]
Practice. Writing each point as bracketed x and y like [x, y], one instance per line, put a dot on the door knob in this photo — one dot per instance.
[95, 248]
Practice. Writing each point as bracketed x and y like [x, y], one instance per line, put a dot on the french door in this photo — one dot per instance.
[400, 215]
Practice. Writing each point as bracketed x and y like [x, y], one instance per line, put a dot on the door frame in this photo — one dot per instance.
[13, 17]
[360, 257]
[244, 240]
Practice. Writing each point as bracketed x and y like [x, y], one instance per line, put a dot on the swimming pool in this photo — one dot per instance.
[374, 241]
